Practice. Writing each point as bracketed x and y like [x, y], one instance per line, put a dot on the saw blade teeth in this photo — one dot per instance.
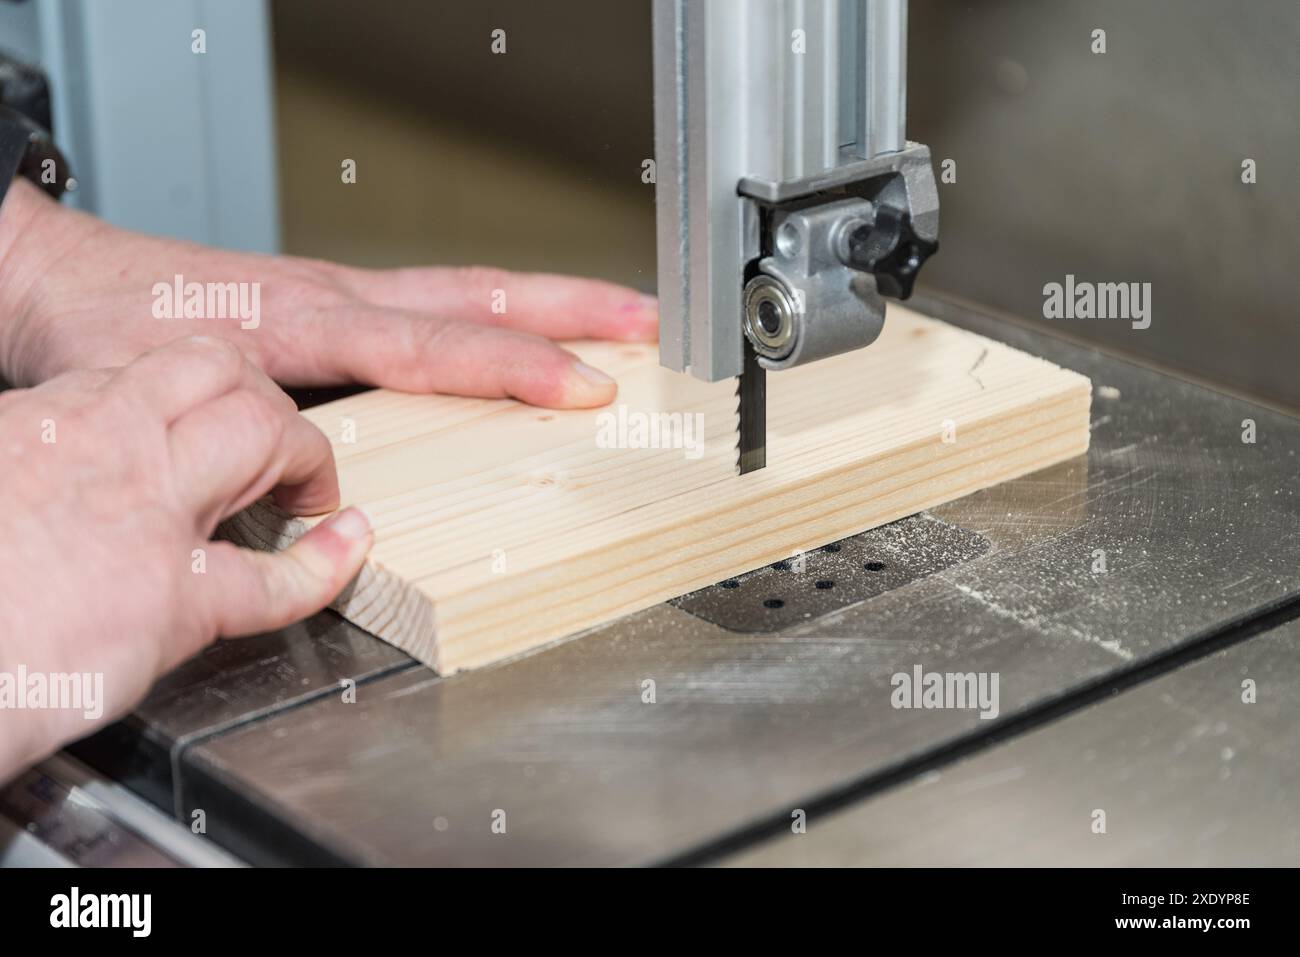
[739, 404]
[751, 415]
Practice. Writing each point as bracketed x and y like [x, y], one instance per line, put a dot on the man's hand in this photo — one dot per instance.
[114, 479]
[114, 482]
[77, 293]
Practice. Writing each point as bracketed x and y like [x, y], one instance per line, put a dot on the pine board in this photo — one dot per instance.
[500, 527]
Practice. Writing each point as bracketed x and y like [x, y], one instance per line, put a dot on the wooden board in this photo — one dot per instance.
[500, 527]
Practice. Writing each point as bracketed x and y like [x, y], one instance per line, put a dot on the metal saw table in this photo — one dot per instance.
[1120, 690]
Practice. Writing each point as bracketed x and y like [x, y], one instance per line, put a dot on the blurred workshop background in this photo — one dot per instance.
[1117, 167]
[1122, 166]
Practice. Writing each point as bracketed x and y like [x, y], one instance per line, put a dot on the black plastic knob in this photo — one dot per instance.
[890, 250]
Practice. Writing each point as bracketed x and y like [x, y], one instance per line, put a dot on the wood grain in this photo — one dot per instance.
[500, 527]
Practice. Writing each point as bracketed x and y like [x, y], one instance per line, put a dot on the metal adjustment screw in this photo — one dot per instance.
[889, 249]
[770, 317]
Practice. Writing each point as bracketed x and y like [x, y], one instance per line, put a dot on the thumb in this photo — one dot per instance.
[252, 591]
